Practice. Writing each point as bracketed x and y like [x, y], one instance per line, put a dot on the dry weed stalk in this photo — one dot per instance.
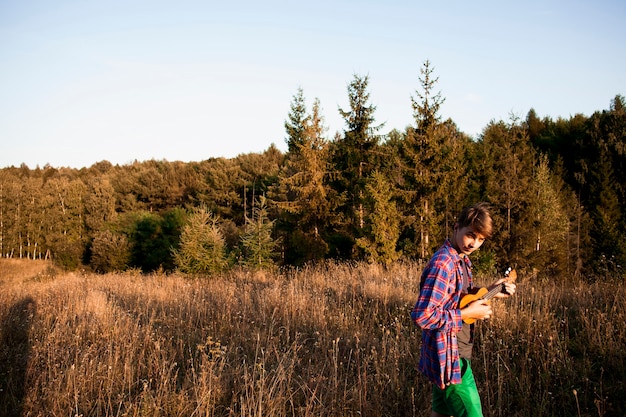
[330, 340]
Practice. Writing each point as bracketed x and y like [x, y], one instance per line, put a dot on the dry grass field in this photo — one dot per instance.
[331, 340]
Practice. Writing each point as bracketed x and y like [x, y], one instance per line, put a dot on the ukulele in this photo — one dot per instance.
[484, 294]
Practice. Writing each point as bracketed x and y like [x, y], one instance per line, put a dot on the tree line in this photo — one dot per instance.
[557, 188]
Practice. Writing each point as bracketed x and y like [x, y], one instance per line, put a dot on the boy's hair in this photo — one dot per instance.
[478, 217]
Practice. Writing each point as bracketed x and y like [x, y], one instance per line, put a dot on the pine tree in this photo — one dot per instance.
[427, 105]
[383, 224]
[259, 247]
[432, 164]
[548, 252]
[302, 195]
[355, 155]
[607, 232]
[508, 166]
[202, 245]
[297, 122]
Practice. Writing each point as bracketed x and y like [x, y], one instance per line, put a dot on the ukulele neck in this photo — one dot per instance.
[493, 292]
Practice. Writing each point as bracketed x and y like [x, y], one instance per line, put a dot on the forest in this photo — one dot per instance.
[370, 193]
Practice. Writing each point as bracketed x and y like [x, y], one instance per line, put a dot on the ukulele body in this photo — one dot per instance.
[469, 298]
[485, 294]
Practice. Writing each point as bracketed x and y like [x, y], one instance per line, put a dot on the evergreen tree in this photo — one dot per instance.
[432, 163]
[549, 252]
[508, 166]
[110, 251]
[259, 247]
[607, 233]
[202, 245]
[536, 127]
[427, 104]
[153, 239]
[301, 193]
[610, 126]
[259, 173]
[382, 230]
[297, 122]
[354, 157]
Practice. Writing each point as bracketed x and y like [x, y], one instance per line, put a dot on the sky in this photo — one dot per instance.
[133, 80]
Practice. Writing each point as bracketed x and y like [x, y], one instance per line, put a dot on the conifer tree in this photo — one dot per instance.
[608, 134]
[382, 230]
[508, 166]
[548, 249]
[202, 245]
[297, 122]
[607, 233]
[427, 104]
[305, 201]
[259, 247]
[432, 163]
[355, 155]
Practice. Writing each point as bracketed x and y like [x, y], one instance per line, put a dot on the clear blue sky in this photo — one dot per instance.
[86, 81]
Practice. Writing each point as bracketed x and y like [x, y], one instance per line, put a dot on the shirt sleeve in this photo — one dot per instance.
[437, 305]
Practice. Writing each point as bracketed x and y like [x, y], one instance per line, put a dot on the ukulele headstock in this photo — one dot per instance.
[510, 275]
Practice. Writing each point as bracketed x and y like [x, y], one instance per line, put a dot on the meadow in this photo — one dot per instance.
[328, 340]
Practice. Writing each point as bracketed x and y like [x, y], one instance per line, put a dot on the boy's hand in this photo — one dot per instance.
[507, 291]
[478, 310]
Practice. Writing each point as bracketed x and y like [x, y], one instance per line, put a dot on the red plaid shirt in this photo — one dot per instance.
[437, 313]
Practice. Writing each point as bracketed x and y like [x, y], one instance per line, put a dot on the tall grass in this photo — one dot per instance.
[331, 340]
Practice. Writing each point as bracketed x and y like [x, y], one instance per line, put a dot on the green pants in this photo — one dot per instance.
[459, 400]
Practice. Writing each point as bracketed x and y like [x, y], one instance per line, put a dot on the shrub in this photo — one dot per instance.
[109, 252]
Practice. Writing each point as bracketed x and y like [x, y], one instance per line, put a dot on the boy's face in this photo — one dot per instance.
[465, 240]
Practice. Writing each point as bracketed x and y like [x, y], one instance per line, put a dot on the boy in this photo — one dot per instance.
[446, 339]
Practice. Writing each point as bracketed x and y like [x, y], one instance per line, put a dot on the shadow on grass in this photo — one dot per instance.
[14, 353]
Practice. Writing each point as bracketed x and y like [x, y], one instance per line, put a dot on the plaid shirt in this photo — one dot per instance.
[437, 313]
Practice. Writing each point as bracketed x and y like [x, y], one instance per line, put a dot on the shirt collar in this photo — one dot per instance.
[456, 254]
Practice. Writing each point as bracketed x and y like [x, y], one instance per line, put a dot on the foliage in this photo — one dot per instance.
[110, 252]
[550, 226]
[259, 247]
[592, 154]
[556, 188]
[354, 156]
[153, 239]
[427, 104]
[69, 252]
[304, 200]
[432, 164]
[202, 245]
[382, 229]
[507, 167]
